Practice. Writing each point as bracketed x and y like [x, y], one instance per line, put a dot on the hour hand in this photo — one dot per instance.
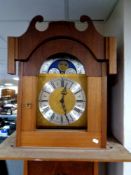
[63, 104]
[62, 100]
[64, 91]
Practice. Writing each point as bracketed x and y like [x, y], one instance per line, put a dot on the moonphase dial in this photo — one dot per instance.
[62, 101]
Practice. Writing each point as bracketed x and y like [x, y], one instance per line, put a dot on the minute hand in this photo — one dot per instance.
[63, 92]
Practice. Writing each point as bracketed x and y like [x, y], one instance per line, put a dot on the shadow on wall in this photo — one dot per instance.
[111, 168]
[115, 168]
[3, 168]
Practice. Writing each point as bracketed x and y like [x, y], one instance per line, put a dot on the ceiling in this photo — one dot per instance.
[16, 14]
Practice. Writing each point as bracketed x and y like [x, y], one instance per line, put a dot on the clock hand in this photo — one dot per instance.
[64, 109]
[63, 103]
[64, 92]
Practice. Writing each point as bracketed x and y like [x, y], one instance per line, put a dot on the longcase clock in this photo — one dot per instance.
[62, 99]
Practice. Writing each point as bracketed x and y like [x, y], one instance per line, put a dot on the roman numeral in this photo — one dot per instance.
[43, 100]
[77, 109]
[45, 91]
[71, 85]
[80, 101]
[46, 109]
[62, 82]
[61, 119]
[72, 119]
[53, 85]
[77, 91]
[52, 116]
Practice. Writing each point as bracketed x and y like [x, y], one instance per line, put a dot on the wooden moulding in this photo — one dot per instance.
[61, 29]
[114, 152]
[111, 54]
[12, 54]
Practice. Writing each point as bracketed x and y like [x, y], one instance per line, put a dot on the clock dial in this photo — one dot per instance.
[62, 101]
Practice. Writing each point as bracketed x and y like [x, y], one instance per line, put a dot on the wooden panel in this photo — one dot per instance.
[70, 47]
[29, 88]
[62, 29]
[12, 54]
[96, 168]
[111, 54]
[57, 138]
[94, 104]
[76, 138]
[61, 168]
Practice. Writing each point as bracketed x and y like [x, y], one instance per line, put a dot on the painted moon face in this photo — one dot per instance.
[70, 71]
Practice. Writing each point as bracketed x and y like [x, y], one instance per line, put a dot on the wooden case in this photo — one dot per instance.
[95, 52]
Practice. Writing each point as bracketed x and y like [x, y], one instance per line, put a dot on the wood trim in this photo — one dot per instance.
[94, 104]
[12, 54]
[19, 109]
[48, 138]
[96, 168]
[114, 152]
[25, 167]
[26, 118]
[111, 54]
[28, 105]
[104, 112]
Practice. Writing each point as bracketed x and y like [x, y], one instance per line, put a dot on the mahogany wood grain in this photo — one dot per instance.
[61, 168]
[62, 29]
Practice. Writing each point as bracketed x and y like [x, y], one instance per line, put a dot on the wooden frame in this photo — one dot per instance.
[94, 51]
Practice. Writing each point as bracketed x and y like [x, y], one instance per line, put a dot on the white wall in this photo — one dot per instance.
[119, 24]
[115, 27]
[127, 81]
[14, 167]
[127, 74]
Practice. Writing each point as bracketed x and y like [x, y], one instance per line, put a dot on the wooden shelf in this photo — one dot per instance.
[114, 152]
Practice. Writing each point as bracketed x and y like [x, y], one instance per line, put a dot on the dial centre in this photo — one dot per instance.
[61, 101]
